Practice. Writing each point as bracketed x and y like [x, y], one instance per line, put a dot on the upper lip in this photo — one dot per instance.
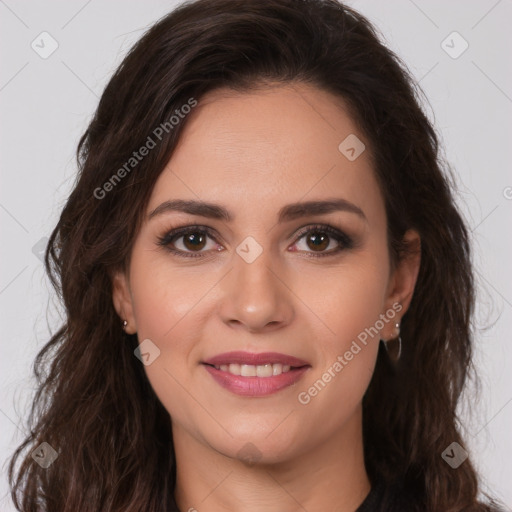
[251, 358]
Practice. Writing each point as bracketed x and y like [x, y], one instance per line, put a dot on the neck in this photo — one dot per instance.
[328, 476]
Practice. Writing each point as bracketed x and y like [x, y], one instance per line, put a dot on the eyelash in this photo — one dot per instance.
[344, 240]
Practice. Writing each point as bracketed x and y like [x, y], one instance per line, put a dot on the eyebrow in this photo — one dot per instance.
[286, 213]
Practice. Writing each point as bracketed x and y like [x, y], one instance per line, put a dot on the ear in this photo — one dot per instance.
[403, 281]
[122, 299]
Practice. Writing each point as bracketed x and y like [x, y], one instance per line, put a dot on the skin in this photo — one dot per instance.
[254, 153]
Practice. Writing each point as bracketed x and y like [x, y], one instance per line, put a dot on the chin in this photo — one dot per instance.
[258, 448]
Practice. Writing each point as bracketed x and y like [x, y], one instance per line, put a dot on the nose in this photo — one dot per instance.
[255, 296]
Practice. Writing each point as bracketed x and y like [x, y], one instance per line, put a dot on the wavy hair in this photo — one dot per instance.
[94, 404]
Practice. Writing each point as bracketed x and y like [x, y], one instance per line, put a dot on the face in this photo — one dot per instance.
[293, 299]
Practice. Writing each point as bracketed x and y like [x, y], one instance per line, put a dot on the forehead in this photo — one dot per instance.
[265, 148]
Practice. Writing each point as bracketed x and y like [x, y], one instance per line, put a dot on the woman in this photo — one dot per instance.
[267, 283]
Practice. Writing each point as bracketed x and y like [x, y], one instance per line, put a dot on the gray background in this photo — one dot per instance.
[46, 103]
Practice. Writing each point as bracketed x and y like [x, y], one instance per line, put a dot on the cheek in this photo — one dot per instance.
[350, 311]
[163, 295]
[164, 308]
[345, 300]
[164, 304]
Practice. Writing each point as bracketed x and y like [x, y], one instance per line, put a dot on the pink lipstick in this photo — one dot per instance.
[252, 374]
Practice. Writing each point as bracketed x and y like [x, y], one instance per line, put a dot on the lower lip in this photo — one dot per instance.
[255, 386]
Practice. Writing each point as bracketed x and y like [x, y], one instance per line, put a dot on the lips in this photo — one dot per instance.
[251, 374]
[255, 359]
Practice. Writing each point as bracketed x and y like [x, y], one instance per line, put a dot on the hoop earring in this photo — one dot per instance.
[394, 354]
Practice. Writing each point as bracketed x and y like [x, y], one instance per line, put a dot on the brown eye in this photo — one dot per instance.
[317, 241]
[188, 242]
[194, 241]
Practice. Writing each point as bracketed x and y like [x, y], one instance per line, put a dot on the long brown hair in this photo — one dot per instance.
[94, 404]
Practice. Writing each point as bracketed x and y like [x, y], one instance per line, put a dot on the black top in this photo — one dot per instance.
[391, 497]
[395, 497]
[372, 501]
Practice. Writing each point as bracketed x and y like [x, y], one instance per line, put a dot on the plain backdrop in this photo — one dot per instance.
[47, 102]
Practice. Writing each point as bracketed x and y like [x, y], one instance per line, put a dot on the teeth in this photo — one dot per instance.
[249, 370]
[234, 369]
[264, 370]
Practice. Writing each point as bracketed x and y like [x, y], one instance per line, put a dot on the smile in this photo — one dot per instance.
[249, 370]
[255, 375]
